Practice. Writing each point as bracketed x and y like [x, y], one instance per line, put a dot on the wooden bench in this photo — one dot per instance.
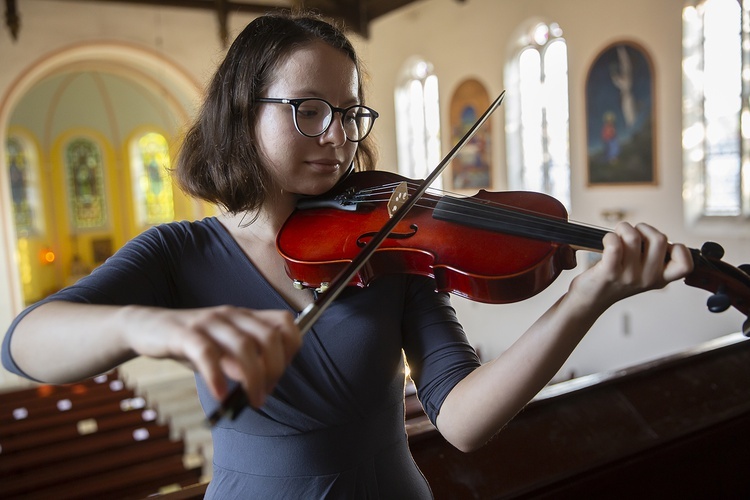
[74, 430]
[46, 421]
[93, 439]
[132, 481]
[33, 409]
[82, 467]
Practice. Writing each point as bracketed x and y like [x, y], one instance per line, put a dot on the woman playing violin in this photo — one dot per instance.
[285, 117]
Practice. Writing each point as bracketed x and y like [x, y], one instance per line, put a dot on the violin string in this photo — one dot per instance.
[490, 211]
[527, 224]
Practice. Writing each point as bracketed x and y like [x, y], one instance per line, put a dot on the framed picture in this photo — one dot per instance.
[471, 169]
[620, 117]
[102, 249]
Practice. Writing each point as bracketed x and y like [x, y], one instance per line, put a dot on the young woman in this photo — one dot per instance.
[285, 117]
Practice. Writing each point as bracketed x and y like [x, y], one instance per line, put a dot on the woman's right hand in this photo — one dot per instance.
[253, 347]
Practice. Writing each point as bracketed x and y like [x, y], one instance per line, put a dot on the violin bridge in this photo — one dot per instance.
[301, 286]
[398, 198]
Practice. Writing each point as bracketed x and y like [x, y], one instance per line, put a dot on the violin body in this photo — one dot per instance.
[326, 234]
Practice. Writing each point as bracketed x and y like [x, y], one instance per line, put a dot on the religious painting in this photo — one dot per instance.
[102, 249]
[620, 117]
[471, 168]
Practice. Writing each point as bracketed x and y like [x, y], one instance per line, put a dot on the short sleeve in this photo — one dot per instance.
[436, 347]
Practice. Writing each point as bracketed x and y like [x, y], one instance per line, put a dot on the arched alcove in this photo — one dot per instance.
[104, 90]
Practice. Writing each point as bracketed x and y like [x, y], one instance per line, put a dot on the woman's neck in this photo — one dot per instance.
[265, 223]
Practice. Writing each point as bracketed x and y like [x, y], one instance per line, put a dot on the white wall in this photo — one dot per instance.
[462, 40]
[471, 39]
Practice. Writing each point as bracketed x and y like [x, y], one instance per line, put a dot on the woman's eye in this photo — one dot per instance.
[306, 112]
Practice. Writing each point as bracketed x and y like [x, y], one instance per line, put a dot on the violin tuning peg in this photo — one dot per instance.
[712, 249]
[718, 302]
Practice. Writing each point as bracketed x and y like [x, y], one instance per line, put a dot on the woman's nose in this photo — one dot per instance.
[335, 133]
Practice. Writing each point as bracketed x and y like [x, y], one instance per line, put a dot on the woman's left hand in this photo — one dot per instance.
[635, 259]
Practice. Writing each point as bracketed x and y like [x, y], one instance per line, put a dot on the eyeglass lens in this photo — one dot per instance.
[314, 117]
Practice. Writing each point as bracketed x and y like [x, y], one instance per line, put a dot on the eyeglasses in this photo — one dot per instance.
[313, 116]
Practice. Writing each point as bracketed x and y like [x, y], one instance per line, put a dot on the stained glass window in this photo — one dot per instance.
[85, 172]
[537, 122]
[715, 135]
[24, 186]
[418, 121]
[152, 185]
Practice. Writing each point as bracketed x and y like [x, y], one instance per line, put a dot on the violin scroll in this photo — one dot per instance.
[730, 285]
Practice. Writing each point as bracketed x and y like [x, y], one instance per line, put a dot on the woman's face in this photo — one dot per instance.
[300, 164]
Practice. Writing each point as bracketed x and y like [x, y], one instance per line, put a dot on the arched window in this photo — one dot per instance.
[715, 110]
[537, 113]
[23, 172]
[85, 179]
[152, 185]
[418, 121]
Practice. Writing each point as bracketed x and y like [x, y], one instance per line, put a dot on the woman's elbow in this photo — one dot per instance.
[466, 444]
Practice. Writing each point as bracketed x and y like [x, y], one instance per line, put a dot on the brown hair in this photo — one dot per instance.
[219, 160]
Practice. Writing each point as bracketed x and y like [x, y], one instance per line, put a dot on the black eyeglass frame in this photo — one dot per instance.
[295, 103]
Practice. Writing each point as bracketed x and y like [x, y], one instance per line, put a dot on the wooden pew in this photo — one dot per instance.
[34, 409]
[50, 394]
[133, 481]
[52, 475]
[106, 442]
[98, 444]
[74, 430]
[674, 427]
[49, 420]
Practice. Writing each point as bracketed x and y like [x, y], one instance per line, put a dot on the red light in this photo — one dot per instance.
[47, 256]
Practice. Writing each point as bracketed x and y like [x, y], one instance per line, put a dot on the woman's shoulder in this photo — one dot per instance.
[200, 230]
[174, 239]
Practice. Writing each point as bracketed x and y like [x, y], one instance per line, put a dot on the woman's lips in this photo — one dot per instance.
[324, 164]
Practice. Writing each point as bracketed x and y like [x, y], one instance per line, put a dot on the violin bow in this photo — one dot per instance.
[237, 400]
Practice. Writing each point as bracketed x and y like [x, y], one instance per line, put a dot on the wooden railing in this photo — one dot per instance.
[677, 427]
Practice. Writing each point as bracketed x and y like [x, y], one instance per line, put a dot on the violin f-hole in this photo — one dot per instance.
[393, 235]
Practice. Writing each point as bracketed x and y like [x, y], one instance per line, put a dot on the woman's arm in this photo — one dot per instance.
[634, 260]
[62, 342]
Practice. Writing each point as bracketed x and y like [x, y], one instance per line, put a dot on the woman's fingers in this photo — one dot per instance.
[680, 264]
[257, 346]
[639, 258]
[262, 344]
[251, 347]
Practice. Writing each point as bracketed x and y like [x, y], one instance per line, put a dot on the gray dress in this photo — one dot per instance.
[334, 425]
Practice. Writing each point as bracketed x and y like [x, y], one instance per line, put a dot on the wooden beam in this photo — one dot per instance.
[231, 6]
[222, 13]
[12, 19]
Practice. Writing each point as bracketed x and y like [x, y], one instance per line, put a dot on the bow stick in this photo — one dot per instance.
[237, 400]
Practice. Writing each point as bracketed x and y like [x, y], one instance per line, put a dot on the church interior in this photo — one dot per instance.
[96, 94]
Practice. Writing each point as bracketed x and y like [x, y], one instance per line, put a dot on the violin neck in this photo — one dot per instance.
[510, 220]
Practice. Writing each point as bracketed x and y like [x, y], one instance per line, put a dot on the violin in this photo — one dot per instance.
[492, 247]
